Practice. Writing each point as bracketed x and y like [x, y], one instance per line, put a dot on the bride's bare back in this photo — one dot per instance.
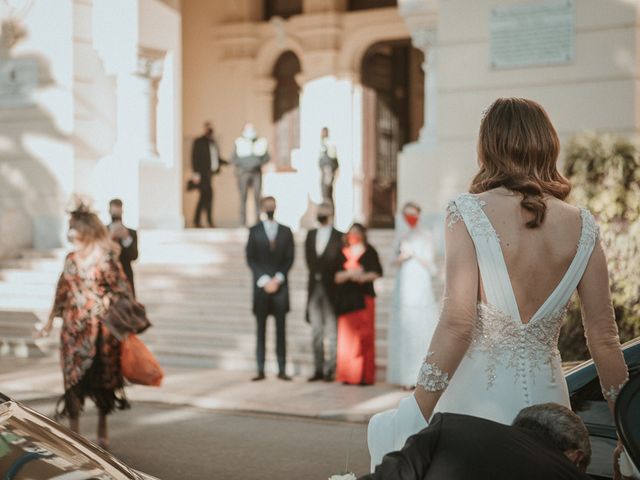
[536, 258]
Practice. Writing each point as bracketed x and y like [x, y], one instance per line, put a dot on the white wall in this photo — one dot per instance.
[596, 91]
[36, 152]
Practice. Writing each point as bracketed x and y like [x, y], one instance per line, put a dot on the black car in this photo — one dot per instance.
[589, 403]
[33, 446]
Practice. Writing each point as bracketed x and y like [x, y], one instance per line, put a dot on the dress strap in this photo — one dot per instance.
[493, 269]
[586, 243]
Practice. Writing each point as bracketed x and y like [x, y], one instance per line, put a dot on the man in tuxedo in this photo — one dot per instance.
[322, 249]
[127, 238]
[328, 163]
[545, 441]
[250, 153]
[205, 163]
[270, 254]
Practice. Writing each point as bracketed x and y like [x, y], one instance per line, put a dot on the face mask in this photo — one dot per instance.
[270, 214]
[116, 218]
[72, 234]
[249, 133]
[353, 239]
[412, 220]
[322, 219]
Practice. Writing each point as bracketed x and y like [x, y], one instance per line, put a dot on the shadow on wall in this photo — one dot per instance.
[35, 156]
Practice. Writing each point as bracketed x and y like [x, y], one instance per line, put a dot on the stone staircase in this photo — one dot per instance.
[197, 290]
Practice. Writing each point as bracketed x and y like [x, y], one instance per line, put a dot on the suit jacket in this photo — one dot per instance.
[265, 259]
[457, 447]
[201, 158]
[128, 255]
[322, 268]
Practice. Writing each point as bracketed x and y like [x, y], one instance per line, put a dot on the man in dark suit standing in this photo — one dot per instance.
[205, 163]
[127, 238]
[546, 441]
[270, 254]
[322, 250]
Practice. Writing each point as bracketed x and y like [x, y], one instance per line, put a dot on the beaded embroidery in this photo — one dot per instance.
[431, 378]
[590, 229]
[612, 392]
[468, 207]
[508, 342]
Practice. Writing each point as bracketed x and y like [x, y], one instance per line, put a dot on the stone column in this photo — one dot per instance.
[425, 40]
[419, 176]
[421, 18]
[144, 94]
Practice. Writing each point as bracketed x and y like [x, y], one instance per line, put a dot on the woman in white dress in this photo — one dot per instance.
[415, 314]
[515, 252]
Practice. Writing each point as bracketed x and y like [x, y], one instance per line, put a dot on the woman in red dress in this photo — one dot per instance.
[358, 268]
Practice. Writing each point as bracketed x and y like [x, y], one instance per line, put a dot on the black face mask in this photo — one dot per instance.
[270, 214]
[116, 218]
[323, 219]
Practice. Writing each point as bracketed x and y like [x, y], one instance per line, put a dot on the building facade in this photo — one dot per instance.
[106, 97]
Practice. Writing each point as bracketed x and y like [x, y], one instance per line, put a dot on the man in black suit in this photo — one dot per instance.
[546, 441]
[322, 249]
[205, 163]
[270, 253]
[127, 238]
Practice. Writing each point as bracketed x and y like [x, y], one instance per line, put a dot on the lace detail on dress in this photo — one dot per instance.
[508, 342]
[590, 229]
[612, 392]
[453, 214]
[468, 207]
[431, 378]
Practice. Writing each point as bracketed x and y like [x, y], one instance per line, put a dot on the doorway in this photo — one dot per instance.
[393, 111]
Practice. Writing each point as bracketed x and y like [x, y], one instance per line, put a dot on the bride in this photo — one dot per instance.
[515, 253]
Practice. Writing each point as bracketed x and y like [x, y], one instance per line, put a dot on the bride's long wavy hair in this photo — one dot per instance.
[518, 149]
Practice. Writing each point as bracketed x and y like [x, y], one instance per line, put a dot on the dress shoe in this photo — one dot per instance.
[316, 377]
[329, 378]
[259, 377]
[285, 377]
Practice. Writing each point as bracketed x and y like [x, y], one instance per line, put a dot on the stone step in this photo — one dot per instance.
[197, 289]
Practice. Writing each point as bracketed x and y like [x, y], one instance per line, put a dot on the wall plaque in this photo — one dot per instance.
[18, 79]
[541, 33]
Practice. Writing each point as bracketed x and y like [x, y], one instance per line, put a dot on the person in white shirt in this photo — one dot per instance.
[270, 254]
[322, 250]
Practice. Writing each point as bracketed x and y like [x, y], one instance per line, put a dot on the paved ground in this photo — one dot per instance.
[219, 390]
[182, 443]
[213, 424]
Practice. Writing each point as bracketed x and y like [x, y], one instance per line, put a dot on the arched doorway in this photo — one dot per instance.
[286, 109]
[393, 99]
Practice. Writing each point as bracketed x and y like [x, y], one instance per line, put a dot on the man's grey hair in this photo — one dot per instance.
[557, 424]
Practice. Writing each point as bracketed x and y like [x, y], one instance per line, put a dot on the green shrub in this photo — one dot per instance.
[605, 173]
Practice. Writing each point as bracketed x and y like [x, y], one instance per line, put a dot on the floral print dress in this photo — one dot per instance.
[90, 353]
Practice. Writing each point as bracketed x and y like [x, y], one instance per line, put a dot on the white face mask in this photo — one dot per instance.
[249, 132]
[72, 235]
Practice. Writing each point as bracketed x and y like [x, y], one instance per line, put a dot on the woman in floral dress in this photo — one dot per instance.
[92, 280]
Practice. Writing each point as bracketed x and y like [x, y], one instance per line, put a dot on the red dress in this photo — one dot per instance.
[356, 338]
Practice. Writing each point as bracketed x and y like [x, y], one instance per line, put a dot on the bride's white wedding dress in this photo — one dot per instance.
[509, 364]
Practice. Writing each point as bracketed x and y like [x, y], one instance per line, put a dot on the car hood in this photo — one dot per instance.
[33, 446]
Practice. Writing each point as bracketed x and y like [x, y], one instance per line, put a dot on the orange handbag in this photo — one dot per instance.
[138, 363]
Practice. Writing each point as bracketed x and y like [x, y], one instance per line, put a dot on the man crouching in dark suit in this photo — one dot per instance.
[127, 238]
[270, 253]
[546, 441]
